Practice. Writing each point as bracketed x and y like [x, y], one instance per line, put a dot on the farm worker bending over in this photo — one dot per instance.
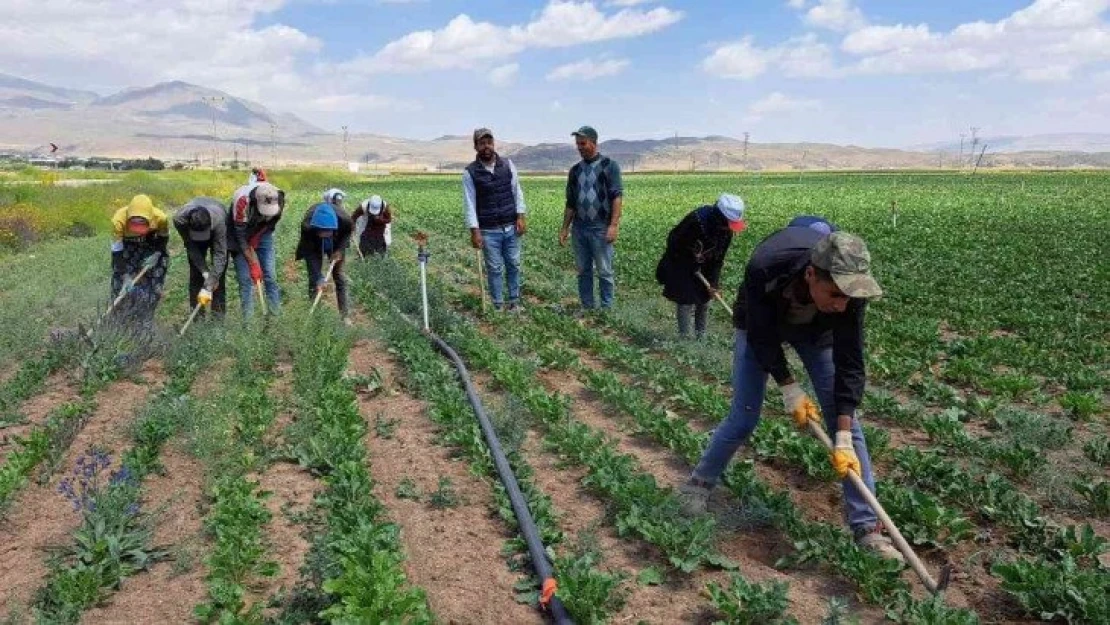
[372, 219]
[698, 243]
[593, 206]
[326, 231]
[202, 224]
[494, 211]
[140, 233]
[810, 290]
[256, 208]
[820, 224]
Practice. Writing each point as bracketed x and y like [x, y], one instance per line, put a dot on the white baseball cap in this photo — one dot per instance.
[374, 204]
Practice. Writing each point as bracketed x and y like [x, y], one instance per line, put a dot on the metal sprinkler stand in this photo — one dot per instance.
[422, 255]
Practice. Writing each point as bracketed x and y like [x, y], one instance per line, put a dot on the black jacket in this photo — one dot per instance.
[699, 242]
[310, 243]
[778, 264]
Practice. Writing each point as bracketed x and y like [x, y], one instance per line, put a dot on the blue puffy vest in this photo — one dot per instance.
[493, 194]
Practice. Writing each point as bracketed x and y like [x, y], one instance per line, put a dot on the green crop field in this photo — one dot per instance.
[299, 470]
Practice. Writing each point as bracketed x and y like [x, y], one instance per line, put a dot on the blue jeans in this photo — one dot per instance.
[268, 261]
[749, 381]
[593, 253]
[501, 251]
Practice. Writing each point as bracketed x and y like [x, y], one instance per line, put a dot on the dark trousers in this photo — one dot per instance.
[316, 268]
[196, 283]
[372, 244]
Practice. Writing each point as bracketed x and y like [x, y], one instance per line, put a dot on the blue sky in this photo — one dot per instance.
[866, 72]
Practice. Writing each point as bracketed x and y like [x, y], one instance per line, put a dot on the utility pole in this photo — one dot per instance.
[273, 144]
[974, 141]
[212, 101]
[346, 138]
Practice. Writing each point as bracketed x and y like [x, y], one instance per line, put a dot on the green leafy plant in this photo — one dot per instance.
[1096, 492]
[444, 496]
[742, 602]
[112, 542]
[1081, 405]
[1050, 590]
[1098, 450]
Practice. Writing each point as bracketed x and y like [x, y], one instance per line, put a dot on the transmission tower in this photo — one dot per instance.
[747, 135]
[346, 139]
[273, 144]
[212, 101]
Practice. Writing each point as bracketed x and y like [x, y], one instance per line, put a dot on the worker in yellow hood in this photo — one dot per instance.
[140, 233]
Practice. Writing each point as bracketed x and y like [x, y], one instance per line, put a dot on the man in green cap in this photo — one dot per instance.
[810, 289]
[593, 205]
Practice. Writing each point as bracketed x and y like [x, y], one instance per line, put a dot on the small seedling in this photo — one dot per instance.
[385, 428]
[445, 495]
[408, 489]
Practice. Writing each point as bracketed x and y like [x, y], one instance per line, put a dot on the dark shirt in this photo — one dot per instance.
[773, 281]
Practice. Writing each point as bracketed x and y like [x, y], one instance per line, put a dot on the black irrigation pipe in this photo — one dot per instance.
[531, 534]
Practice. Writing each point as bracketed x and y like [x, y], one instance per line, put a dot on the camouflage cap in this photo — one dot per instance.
[845, 256]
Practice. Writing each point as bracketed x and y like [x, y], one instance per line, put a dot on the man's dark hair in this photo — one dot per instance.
[199, 219]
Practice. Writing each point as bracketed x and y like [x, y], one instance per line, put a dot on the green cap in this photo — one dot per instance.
[845, 256]
[586, 131]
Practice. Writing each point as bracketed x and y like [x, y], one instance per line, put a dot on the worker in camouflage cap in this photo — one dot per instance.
[807, 287]
[845, 257]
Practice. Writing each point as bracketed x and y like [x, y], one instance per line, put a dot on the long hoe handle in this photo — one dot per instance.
[320, 289]
[481, 278]
[189, 322]
[261, 297]
[899, 541]
[716, 295]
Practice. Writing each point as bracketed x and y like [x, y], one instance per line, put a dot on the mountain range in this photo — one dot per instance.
[178, 121]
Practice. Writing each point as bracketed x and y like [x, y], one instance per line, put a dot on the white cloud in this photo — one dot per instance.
[1047, 40]
[875, 39]
[628, 3]
[836, 15]
[779, 103]
[463, 41]
[799, 57]
[97, 44]
[588, 69]
[504, 75]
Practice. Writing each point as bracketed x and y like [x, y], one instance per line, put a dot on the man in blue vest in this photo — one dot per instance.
[494, 213]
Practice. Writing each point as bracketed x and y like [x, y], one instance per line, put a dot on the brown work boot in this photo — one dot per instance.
[694, 496]
[874, 540]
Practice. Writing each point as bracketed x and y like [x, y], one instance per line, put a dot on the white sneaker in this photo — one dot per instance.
[694, 498]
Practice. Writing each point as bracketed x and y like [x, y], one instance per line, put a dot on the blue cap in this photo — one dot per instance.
[324, 218]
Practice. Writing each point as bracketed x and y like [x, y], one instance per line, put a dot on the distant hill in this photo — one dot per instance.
[1061, 142]
[173, 121]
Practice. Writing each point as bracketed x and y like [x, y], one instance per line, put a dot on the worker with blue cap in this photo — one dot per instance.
[325, 233]
[698, 245]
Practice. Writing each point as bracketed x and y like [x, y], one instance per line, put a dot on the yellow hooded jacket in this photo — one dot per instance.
[140, 206]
